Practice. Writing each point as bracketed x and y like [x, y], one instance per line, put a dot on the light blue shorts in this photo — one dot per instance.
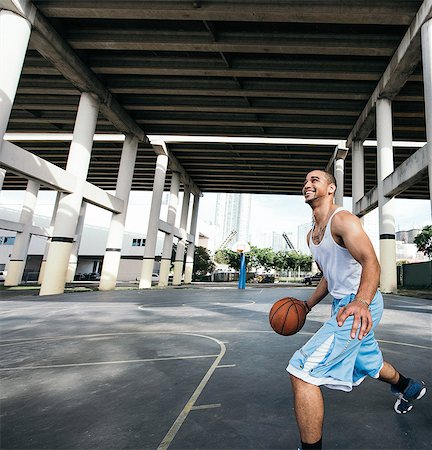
[332, 358]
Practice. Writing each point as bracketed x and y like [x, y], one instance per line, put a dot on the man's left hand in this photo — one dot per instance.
[362, 318]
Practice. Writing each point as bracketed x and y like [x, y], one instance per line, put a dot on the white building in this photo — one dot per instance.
[232, 214]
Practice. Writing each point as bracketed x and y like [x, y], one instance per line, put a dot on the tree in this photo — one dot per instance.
[260, 257]
[225, 256]
[423, 240]
[203, 263]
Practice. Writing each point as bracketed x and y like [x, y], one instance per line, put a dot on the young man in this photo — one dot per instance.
[344, 351]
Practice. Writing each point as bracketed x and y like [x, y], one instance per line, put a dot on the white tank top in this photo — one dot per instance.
[340, 269]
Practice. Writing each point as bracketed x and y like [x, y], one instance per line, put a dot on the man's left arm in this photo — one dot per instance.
[348, 228]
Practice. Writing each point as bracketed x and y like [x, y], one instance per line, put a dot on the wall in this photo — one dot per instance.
[417, 275]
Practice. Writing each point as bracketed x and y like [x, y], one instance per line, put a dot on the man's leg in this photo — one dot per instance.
[406, 389]
[389, 374]
[309, 410]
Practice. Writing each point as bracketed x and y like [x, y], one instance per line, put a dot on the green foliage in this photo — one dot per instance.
[260, 257]
[290, 260]
[203, 263]
[225, 256]
[265, 258]
[423, 240]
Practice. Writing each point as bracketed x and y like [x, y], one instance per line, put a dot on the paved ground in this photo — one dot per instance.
[188, 369]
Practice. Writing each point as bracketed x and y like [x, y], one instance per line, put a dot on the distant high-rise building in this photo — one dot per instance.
[279, 242]
[407, 236]
[232, 213]
[302, 231]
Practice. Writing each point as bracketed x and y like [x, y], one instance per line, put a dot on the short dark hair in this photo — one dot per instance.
[330, 177]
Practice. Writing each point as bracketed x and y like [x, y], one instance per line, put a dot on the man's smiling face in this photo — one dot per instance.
[316, 185]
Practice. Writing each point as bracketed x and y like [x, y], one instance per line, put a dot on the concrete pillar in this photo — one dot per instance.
[42, 267]
[178, 263]
[14, 37]
[111, 261]
[388, 282]
[22, 241]
[339, 170]
[357, 172]
[168, 241]
[73, 260]
[2, 177]
[69, 206]
[426, 40]
[153, 224]
[191, 246]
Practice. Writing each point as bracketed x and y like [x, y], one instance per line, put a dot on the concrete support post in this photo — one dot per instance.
[181, 244]
[357, 169]
[111, 262]
[357, 172]
[73, 260]
[168, 241]
[426, 40]
[2, 177]
[191, 247]
[14, 37]
[388, 282]
[153, 224]
[42, 267]
[339, 170]
[22, 241]
[69, 206]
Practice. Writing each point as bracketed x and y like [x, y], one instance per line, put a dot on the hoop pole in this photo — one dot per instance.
[242, 274]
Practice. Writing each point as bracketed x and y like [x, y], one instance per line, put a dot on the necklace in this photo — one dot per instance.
[318, 235]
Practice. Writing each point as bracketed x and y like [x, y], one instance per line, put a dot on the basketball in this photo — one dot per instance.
[287, 316]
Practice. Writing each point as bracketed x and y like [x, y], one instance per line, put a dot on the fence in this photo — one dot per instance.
[416, 275]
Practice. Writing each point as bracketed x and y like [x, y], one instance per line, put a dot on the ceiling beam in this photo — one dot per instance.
[400, 68]
[59, 53]
[336, 12]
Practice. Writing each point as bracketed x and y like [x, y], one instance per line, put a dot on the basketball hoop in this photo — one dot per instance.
[241, 247]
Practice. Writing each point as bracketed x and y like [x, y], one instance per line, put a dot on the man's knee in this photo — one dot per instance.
[300, 385]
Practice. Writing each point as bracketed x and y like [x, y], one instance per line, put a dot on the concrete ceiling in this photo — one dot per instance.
[229, 68]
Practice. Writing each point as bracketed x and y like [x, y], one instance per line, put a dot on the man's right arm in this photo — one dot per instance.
[320, 292]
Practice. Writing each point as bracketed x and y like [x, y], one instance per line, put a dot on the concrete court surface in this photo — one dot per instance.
[195, 368]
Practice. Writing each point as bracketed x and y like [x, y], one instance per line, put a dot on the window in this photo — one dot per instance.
[7, 240]
[136, 242]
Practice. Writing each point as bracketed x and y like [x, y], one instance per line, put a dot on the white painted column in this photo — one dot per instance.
[73, 260]
[22, 241]
[153, 224]
[339, 170]
[388, 282]
[14, 37]
[178, 263]
[357, 172]
[168, 241]
[426, 40]
[111, 261]
[69, 206]
[2, 177]
[42, 267]
[191, 246]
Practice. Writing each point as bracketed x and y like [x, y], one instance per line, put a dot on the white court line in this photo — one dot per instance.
[101, 363]
[208, 306]
[166, 441]
[8, 342]
[213, 405]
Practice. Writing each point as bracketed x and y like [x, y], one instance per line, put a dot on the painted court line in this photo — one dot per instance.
[166, 441]
[101, 363]
[225, 366]
[214, 405]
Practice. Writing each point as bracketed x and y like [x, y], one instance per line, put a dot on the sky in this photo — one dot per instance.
[268, 212]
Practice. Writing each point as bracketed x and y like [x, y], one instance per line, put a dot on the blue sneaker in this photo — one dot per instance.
[414, 391]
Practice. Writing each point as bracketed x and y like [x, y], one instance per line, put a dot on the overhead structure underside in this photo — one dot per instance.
[290, 69]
